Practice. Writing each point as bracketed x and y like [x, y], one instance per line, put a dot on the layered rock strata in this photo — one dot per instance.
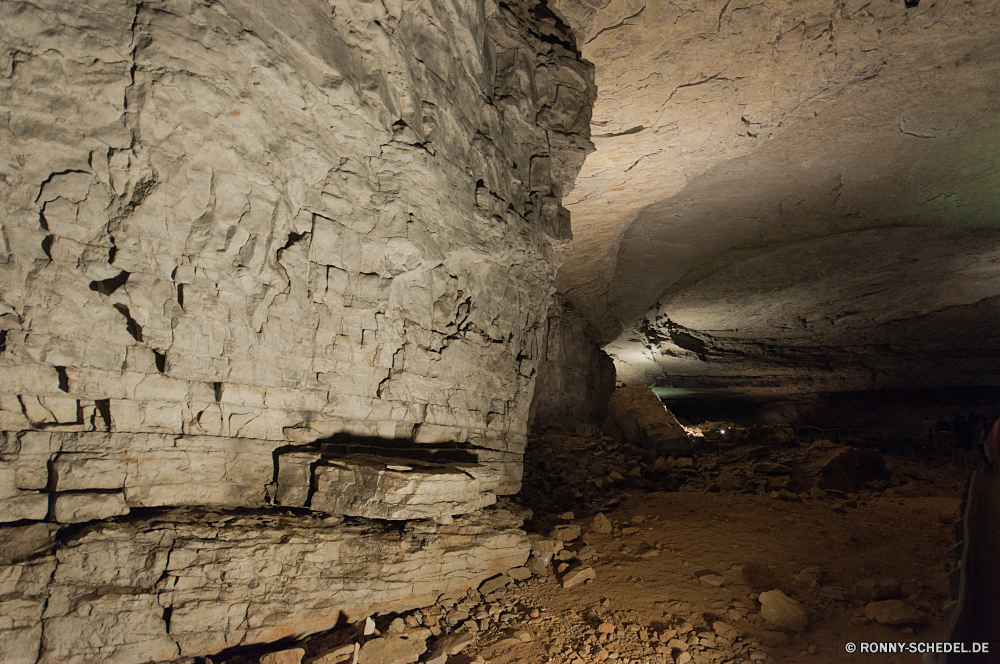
[186, 582]
[257, 257]
[808, 189]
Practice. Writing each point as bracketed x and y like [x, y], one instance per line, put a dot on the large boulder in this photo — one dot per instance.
[637, 416]
[839, 468]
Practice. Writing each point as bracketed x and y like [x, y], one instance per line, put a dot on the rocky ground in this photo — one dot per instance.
[757, 548]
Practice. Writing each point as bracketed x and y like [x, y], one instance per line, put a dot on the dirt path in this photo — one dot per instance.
[647, 576]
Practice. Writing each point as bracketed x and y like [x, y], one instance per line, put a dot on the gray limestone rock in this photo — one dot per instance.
[283, 575]
[578, 576]
[600, 524]
[80, 507]
[641, 419]
[232, 231]
[290, 656]
[538, 564]
[392, 649]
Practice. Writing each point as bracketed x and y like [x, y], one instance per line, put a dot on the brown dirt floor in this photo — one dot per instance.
[756, 543]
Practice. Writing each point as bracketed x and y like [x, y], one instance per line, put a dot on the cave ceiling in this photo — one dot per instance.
[791, 196]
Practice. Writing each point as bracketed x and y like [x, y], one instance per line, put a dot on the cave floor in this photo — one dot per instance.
[655, 575]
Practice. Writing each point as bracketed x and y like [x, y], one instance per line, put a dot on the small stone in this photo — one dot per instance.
[397, 626]
[638, 518]
[578, 576]
[606, 628]
[454, 643]
[544, 545]
[567, 516]
[519, 573]
[781, 610]
[341, 655]
[677, 644]
[394, 649]
[893, 612]
[727, 632]
[712, 579]
[369, 628]
[566, 533]
[292, 656]
[537, 565]
[524, 635]
[497, 582]
[600, 524]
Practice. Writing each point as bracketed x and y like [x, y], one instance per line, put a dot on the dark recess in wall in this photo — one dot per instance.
[895, 410]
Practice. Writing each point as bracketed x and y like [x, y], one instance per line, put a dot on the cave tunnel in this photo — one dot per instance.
[468, 331]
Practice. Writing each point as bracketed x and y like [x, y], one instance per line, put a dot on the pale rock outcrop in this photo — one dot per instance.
[232, 232]
[637, 416]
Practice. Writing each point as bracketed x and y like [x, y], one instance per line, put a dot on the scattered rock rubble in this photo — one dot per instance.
[503, 610]
[724, 458]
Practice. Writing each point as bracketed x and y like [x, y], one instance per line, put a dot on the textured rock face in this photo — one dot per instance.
[231, 231]
[791, 197]
[575, 377]
[185, 583]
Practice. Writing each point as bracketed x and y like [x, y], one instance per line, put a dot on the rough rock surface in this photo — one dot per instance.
[791, 197]
[187, 583]
[231, 231]
[575, 377]
[781, 610]
[636, 415]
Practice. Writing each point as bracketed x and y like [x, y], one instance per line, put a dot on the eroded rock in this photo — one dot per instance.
[641, 419]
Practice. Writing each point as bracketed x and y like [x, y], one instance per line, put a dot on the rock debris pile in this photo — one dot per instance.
[504, 611]
[588, 472]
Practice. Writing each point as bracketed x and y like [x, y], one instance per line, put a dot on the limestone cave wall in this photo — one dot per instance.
[575, 377]
[272, 276]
